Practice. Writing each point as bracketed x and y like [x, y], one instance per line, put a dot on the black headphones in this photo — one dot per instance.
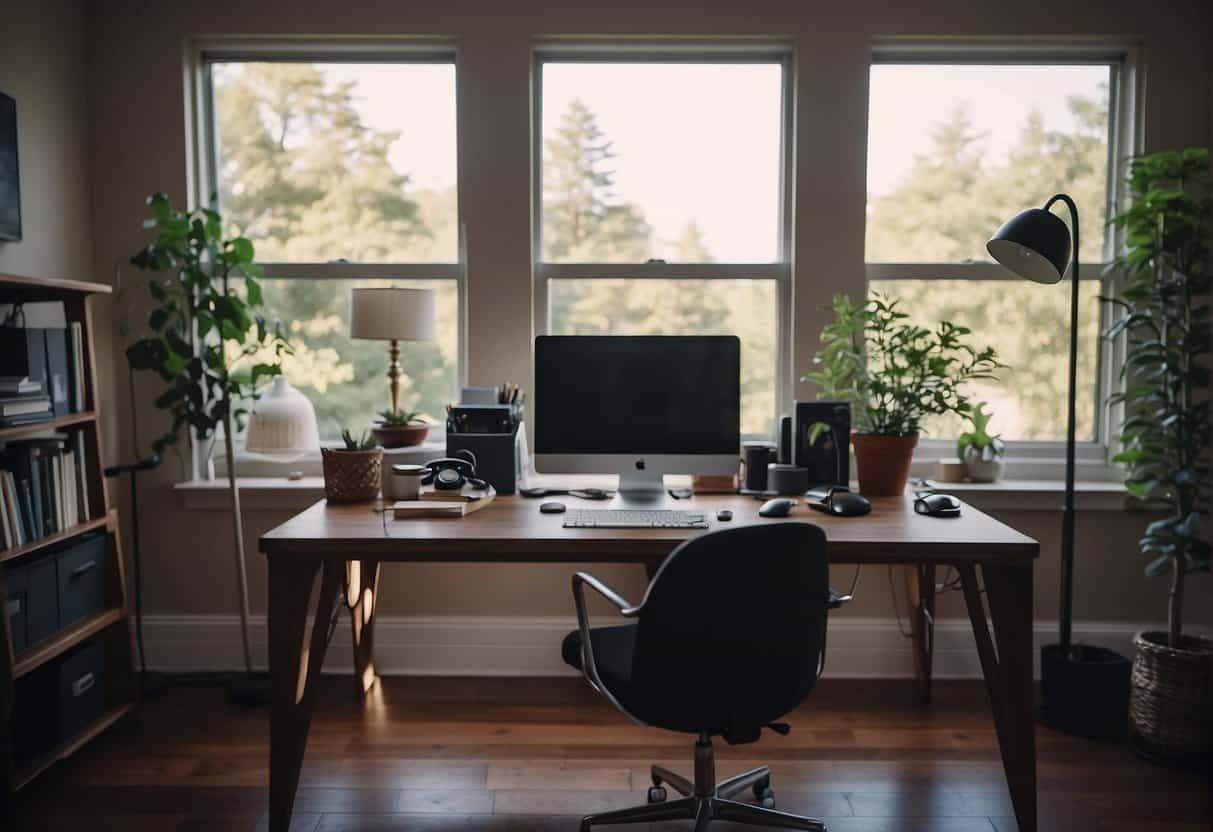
[452, 473]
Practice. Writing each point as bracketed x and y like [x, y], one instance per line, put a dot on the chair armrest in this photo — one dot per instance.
[580, 580]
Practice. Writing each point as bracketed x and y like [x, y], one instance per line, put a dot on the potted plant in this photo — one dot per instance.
[1166, 278]
[206, 343]
[400, 428]
[352, 473]
[980, 452]
[895, 374]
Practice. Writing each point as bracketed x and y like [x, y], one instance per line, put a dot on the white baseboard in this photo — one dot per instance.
[515, 646]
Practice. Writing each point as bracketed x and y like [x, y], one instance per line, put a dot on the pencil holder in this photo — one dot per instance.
[351, 476]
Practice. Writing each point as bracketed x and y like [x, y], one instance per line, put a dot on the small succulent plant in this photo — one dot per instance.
[363, 442]
[398, 418]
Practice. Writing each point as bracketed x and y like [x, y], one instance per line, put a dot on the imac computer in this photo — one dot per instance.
[640, 406]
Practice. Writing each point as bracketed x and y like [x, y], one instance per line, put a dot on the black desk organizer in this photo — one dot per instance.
[496, 456]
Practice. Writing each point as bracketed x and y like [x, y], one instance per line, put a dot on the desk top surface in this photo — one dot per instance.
[511, 529]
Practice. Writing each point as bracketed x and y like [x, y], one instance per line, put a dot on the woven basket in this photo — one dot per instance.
[352, 476]
[1171, 704]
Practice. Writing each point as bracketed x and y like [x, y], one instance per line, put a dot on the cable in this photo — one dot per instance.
[896, 607]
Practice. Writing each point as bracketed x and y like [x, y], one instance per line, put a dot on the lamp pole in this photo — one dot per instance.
[1065, 616]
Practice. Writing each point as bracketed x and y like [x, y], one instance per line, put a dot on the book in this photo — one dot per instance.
[9, 540]
[84, 513]
[18, 386]
[24, 406]
[12, 507]
[76, 332]
[58, 370]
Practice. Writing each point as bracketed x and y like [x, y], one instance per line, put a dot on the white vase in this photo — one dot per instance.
[981, 469]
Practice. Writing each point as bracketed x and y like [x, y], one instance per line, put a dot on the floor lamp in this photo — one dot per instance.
[1085, 690]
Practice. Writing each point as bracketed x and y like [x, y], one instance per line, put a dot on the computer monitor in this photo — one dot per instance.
[642, 406]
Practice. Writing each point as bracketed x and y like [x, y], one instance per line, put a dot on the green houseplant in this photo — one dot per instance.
[894, 374]
[980, 451]
[400, 428]
[204, 339]
[1166, 276]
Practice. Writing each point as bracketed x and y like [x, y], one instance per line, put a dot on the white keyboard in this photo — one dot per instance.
[634, 519]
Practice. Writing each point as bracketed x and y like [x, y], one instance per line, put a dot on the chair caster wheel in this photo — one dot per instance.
[657, 794]
[765, 797]
[761, 787]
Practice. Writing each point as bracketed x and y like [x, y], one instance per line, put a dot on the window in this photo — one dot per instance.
[342, 171]
[657, 214]
[955, 148]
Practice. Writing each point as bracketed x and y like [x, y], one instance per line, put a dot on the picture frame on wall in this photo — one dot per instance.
[10, 179]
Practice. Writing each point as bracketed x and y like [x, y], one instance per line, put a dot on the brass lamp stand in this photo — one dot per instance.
[392, 315]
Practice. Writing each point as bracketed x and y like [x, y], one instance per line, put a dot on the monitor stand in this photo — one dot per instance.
[640, 490]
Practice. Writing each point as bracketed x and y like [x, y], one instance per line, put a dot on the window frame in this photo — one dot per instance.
[746, 51]
[1039, 458]
[202, 145]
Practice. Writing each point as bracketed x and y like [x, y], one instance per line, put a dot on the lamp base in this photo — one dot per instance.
[1085, 691]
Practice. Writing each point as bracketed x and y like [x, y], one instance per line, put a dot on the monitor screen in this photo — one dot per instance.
[643, 394]
[10, 187]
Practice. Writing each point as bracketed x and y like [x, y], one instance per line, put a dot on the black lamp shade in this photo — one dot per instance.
[1034, 244]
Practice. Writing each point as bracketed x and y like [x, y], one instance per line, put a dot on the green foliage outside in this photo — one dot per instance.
[303, 177]
[945, 210]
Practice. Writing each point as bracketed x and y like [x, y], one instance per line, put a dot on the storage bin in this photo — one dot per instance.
[57, 701]
[81, 689]
[33, 587]
[81, 568]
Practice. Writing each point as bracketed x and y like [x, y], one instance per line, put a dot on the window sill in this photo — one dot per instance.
[282, 494]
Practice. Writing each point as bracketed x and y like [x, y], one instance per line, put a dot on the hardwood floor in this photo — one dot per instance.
[516, 755]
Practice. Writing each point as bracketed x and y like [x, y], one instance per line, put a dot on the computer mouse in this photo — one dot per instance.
[724, 515]
[937, 505]
[779, 507]
[847, 504]
[551, 508]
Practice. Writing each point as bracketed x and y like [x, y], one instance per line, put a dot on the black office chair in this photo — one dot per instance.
[730, 636]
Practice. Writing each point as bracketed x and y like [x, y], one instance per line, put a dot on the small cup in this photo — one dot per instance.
[406, 481]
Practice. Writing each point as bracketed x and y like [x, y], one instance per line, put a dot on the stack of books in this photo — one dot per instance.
[41, 363]
[23, 400]
[43, 487]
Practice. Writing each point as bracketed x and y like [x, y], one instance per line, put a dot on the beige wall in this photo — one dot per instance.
[43, 61]
[137, 137]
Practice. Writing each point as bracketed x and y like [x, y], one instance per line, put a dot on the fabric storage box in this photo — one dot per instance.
[81, 569]
[58, 700]
[81, 692]
[33, 600]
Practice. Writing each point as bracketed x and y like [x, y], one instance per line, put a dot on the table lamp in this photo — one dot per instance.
[392, 315]
[1079, 684]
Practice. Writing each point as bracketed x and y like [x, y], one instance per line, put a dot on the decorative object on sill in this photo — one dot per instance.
[1163, 297]
[981, 452]
[354, 473]
[950, 470]
[1084, 689]
[200, 319]
[894, 374]
[282, 425]
[392, 314]
[400, 429]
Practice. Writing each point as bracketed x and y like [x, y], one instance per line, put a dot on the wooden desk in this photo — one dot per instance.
[344, 545]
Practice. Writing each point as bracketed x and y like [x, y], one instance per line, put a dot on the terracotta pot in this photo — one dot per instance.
[1171, 699]
[400, 436]
[883, 462]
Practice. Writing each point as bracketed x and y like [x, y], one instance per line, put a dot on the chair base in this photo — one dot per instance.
[706, 800]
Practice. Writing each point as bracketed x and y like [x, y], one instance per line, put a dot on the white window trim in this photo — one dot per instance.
[202, 154]
[1039, 459]
[675, 51]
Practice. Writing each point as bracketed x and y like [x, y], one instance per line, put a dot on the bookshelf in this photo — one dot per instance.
[110, 626]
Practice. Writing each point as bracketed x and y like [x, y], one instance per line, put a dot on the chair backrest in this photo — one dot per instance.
[733, 625]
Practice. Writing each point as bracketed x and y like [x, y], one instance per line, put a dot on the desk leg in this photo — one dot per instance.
[1008, 673]
[920, 587]
[362, 594]
[294, 668]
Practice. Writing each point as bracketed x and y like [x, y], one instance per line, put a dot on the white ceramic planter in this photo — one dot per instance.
[982, 470]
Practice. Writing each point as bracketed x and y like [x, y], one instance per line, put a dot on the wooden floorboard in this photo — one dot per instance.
[530, 755]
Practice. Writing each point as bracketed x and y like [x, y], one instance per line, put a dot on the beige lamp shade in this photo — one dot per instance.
[392, 314]
[283, 423]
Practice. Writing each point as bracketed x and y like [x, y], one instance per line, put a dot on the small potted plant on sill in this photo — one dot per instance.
[400, 428]
[1167, 277]
[980, 452]
[895, 374]
[353, 473]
